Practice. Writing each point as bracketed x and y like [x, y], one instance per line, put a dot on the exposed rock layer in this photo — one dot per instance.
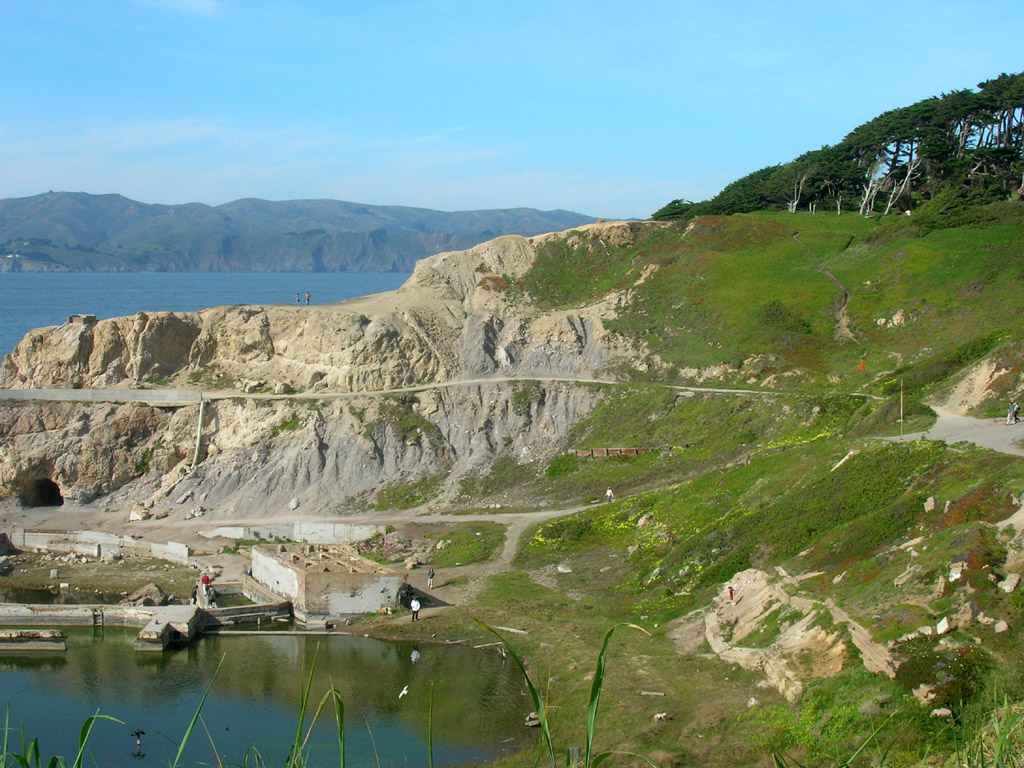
[447, 324]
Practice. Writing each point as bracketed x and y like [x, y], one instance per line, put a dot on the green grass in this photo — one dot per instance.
[465, 543]
[288, 425]
[410, 494]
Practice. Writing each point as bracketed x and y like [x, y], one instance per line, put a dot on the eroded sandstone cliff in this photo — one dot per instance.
[450, 321]
[327, 447]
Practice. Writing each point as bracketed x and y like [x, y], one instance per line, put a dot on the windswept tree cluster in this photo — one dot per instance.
[966, 144]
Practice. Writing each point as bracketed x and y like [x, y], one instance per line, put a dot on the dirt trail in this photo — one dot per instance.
[994, 434]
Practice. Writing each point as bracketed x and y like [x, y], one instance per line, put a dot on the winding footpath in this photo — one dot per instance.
[994, 434]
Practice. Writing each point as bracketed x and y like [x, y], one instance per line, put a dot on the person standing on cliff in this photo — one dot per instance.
[307, 298]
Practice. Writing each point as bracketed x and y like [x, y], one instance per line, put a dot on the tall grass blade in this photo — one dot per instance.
[373, 742]
[83, 735]
[195, 717]
[595, 689]
[339, 719]
[296, 749]
[7, 731]
[538, 700]
[209, 738]
[303, 747]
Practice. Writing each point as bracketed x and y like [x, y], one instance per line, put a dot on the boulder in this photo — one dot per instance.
[150, 594]
[1010, 582]
[138, 513]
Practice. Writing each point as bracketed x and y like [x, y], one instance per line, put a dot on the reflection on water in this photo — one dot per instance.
[478, 701]
[35, 596]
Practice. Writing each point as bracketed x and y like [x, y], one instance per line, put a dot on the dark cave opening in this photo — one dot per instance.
[43, 493]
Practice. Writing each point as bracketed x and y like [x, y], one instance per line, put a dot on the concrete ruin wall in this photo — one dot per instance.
[98, 544]
[317, 594]
[334, 594]
[312, 532]
[17, 614]
[275, 575]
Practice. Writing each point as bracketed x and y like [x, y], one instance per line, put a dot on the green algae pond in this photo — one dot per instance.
[255, 686]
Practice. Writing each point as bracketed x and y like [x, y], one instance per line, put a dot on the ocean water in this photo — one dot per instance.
[35, 300]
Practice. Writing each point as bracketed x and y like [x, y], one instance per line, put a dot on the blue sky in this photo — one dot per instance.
[462, 104]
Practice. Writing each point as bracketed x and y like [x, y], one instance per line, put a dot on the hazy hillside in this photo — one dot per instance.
[64, 231]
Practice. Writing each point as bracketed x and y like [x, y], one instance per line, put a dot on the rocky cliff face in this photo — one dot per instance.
[260, 458]
[448, 322]
[333, 447]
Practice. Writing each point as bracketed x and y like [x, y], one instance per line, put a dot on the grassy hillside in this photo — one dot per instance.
[792, 477]
[761, 293]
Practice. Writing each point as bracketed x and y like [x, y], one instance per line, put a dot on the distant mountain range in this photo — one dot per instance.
[79, 232]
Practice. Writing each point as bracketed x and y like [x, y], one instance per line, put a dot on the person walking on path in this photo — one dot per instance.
[414, 606]
[430, 579]
[609, 497]
[1016, 411]
[1009, 414]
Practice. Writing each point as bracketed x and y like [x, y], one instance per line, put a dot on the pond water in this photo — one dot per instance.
[46, 596]
[255, 686]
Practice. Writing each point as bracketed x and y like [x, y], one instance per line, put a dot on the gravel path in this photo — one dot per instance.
[994, 434]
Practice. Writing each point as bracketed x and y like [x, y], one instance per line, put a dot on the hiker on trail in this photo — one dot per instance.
[430, 579]
[414, 606]
[732, 596]
[609, 496]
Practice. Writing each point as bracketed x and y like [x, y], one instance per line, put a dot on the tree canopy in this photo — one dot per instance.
[966, 144]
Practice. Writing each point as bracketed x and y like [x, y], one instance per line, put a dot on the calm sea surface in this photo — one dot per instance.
[30, 300]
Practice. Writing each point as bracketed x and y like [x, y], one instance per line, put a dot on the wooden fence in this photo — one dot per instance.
[600, 453]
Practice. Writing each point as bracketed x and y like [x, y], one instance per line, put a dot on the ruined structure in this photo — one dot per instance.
[323, 581]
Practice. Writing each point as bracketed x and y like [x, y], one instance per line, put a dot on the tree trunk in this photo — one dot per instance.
[798, 190]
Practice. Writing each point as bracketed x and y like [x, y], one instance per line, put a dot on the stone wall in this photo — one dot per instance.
[312, 532]
[98, 544]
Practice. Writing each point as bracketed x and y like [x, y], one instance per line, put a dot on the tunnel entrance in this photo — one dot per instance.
[43, 493]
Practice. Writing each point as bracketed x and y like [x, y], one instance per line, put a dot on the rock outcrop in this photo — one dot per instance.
[453, 319]
[451, 322]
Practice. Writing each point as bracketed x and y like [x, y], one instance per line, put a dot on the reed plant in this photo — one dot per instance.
[29, 757]
[591, 759]
[997, 743]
